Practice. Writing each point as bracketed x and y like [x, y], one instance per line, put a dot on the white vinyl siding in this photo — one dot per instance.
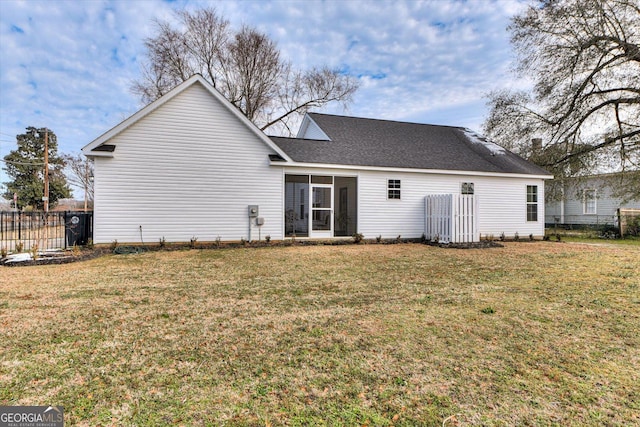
[501, 202]
[309, 130]
[188, 169]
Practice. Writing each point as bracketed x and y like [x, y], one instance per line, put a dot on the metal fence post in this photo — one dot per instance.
[64, 236]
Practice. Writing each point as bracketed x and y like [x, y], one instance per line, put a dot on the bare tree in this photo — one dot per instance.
[253, 72]
[583, 57]
[245, 66]
[79, 171]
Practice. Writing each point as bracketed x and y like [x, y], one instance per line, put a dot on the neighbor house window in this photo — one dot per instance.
[393, 188]
[589, 203]
[467, 188]
[532, 202]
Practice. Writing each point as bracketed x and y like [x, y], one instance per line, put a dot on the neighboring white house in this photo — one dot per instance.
[191, 165]
[589, 201]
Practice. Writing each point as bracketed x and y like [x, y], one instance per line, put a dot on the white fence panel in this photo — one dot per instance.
[451, 218]
[438, 217]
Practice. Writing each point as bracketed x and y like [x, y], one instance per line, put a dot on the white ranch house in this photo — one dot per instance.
[590, 201]
[191, 165]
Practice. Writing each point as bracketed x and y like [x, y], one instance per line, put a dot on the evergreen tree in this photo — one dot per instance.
[25, 166]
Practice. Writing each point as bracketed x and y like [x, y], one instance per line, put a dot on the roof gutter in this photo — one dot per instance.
[407, 170]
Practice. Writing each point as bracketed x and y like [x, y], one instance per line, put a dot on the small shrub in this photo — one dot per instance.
[379, 238]
[488, 310]
[558, 237]
[90, 244]
[633, 226]
[3, 252]
[357, 237]
[502, 237]
[193, 242]
[546, 238]
[163, 242]
[516, 237]
[218, 241]
[608, 232]
[19, 246]
[267, 238]
[34, 251]
[490, 238]
[531, 237]
[423, 238]
[243, 241]
[113, 245]
[399, 238]
[75, 250]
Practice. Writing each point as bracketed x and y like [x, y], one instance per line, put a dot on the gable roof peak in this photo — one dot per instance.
[91, 149]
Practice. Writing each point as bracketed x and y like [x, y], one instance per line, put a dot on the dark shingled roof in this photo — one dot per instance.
[370, 142]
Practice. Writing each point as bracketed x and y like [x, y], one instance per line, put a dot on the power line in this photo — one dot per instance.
[22, 163]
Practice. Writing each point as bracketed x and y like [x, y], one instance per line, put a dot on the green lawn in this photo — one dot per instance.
[589, 236]
[629, 241]
[530, 334]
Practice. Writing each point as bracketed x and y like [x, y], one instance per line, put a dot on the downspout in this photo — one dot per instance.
[562, 202]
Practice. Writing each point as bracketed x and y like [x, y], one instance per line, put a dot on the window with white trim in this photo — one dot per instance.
[466, 188]
[532, 203]
[393, 189]
[589, 206]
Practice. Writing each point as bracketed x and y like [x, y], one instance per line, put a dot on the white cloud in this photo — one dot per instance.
[69, 65]
[413, 59]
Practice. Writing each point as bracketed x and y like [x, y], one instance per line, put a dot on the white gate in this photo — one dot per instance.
[451, 218]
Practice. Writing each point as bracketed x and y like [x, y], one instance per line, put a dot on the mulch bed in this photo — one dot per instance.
[66, 257]
[63, 257]
[483, 244]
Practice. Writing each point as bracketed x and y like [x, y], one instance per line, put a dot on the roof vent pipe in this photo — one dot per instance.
[536, 144]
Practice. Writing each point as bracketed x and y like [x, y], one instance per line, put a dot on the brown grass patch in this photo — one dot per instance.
[529, 334]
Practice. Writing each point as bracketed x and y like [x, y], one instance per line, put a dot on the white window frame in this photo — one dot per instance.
[394, 188]
[467, 188]
[532, 203]
[585, 201]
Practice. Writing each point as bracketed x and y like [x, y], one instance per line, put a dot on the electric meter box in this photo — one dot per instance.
[253, 211]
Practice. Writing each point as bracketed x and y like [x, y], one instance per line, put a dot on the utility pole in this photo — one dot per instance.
[45, 198]
[86, 182]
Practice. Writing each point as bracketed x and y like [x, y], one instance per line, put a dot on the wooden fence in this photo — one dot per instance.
[628, 219]
[451, 218]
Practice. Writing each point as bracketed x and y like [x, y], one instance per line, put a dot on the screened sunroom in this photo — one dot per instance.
[320, 206]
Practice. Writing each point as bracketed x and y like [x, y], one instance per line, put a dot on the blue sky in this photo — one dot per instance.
[69, 65]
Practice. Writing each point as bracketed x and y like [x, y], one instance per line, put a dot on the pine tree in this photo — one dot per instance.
[25, 166]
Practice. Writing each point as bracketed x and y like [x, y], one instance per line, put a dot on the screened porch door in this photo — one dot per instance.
[321, 210]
